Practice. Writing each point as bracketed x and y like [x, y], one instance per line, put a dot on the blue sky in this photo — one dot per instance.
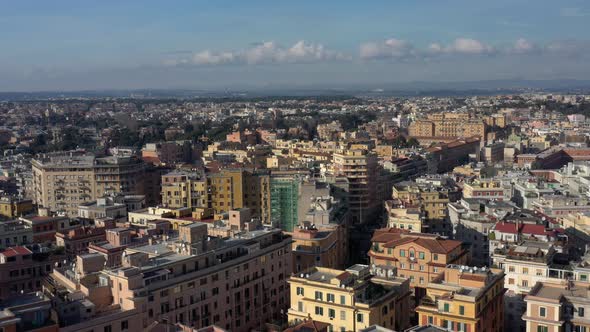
[69, 45]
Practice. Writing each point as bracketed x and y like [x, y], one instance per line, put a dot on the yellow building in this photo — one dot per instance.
[11, 207]
[223, 191]
[448, 125]
[498, 120]
[487, 188]
[226, 190]
[181, 189]
[349, 300]
[466, 299]
[399, 216]
[433, 200]
[142, 217]
[577, 222]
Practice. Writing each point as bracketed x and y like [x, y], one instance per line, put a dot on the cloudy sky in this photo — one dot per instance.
[113, 44]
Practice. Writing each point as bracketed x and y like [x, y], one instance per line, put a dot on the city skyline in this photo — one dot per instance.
[229, 44]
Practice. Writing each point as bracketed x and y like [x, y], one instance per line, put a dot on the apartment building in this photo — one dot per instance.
[239, 283]
[417, 256]
[431, 198]
[15, 233]
[44, 227]
[64, 181]
[113, 207]
[402, 217]
[12, 207]
[23, 271]
[447, 126]
[236, 188]
[77, 240]
[349, 300]
[361, 170]
[324, 246]
[172, 152]
[488, 189]
[443, 157]
[291, 198]
[322, 238]
[183, 189]
[525, 264]
[27, 312]
[465, 299]
[558, 307]
[472, 220]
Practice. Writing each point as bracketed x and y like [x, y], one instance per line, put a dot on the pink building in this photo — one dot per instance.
[196, 280]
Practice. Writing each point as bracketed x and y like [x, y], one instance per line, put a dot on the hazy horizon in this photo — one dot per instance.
[72, 46]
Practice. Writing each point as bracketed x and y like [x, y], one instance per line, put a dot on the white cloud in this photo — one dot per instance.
[264, 53]
[390, 48]
[523, 46]
[462, 46]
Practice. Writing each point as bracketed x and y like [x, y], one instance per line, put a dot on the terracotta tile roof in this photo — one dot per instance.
[434, 245]
[16, 251]
[387, 234]
[309, 326]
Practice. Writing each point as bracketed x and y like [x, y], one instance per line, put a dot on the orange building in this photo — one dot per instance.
[465, 299]
[418, 256]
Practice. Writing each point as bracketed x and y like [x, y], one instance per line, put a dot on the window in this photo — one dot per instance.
[124, 325]
[412, 253]
[342, 315]
[511, 269]
[435, 257]
[331, 298]
[446, 307]
[461, 310]
[300, 306]
[342, 299]
[541, 328]
[421, 255]
[402, 253]
[583, 277]
[319, 311]
[525, 270]
[319, 296]
[461, 327]
[331, 313]
[300, 291]
[359, 317]
[542, 311]
[108, 328]
[580, 312]
[430, 320]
